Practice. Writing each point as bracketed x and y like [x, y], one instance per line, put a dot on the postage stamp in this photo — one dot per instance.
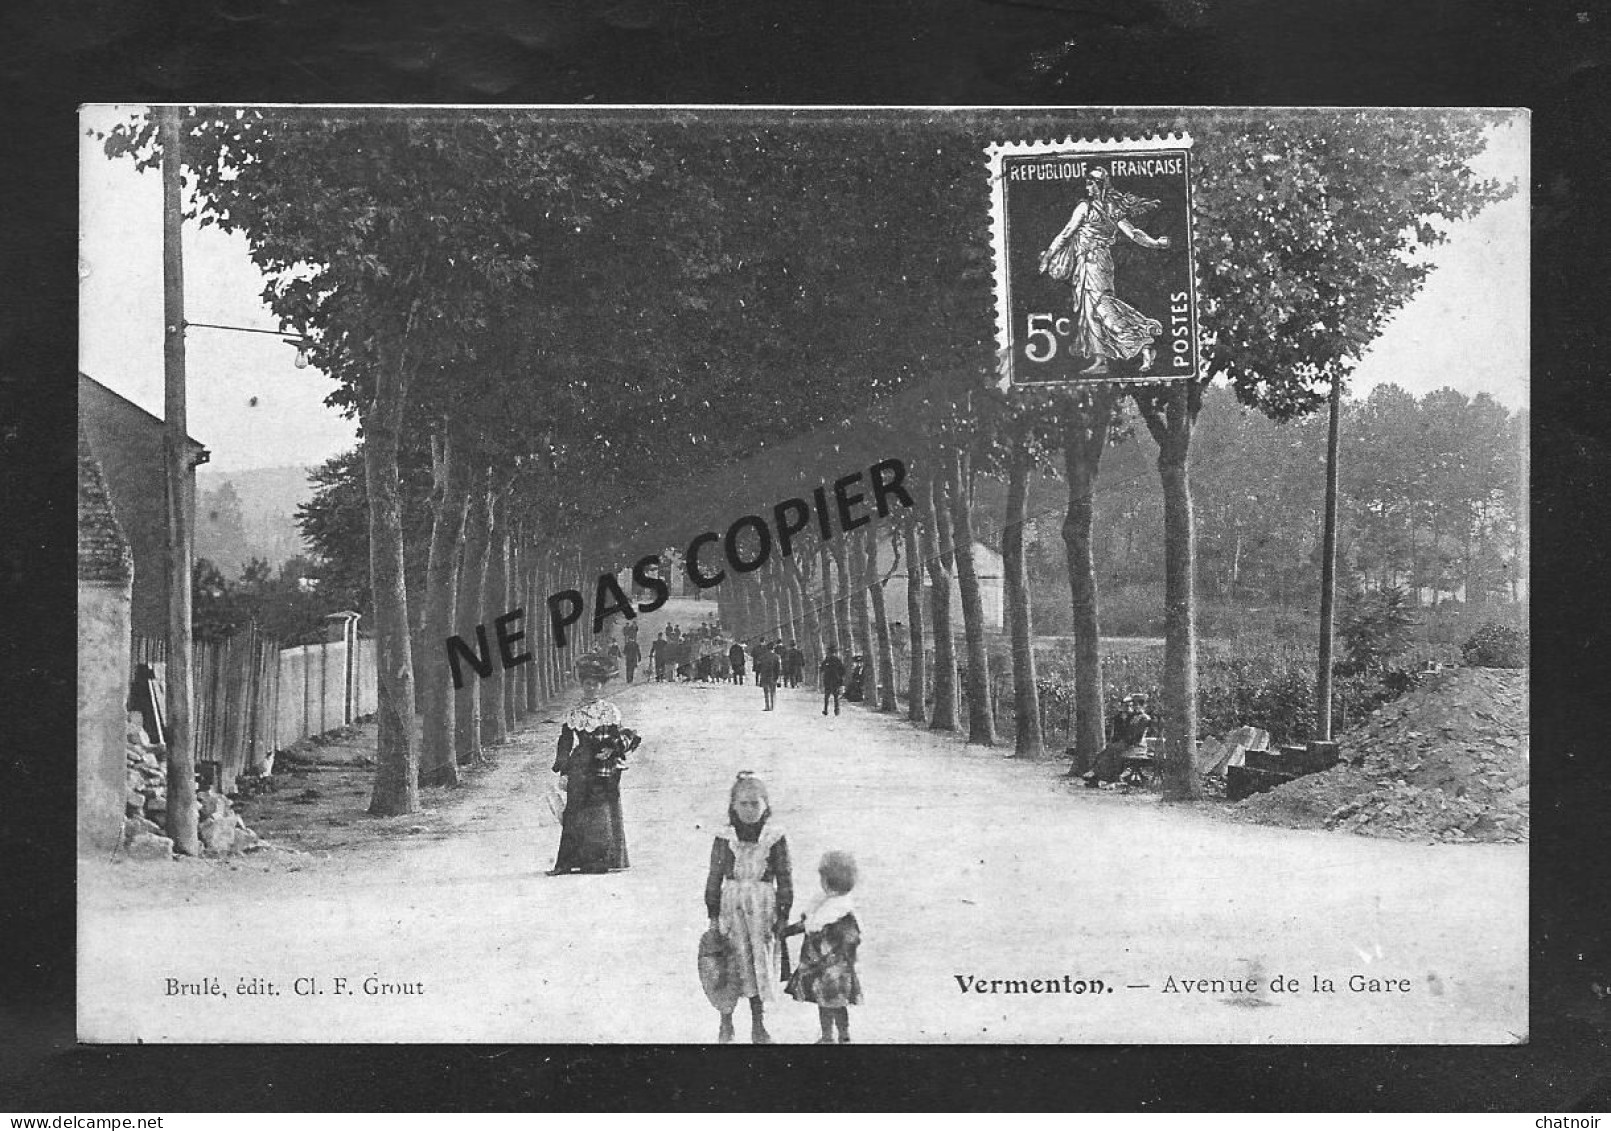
[1093, 260]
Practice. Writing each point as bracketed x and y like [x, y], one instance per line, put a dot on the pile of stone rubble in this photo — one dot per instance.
[220, 829]
[1446, 762]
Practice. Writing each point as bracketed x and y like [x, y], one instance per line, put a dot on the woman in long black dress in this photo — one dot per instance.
[593, 746]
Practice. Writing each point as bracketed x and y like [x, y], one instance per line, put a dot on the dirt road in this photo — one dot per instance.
[977, 870]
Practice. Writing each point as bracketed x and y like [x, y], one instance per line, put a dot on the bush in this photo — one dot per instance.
[1449, 624]
[1376, 628]
[1494, 645]
[1250, 683]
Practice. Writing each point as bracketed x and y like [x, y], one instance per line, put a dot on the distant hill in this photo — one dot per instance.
[265, 527]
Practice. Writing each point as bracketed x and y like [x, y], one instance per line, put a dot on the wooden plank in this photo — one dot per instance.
[199, 700]
[324, 683]
[235, 703]
[268, 700]
[211, 659]
[274, 711]
[254, 701]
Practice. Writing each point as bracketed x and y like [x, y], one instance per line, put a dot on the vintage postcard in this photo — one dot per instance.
[785, 575]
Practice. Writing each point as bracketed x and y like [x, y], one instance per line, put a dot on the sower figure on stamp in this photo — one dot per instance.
[1082, 253]
[748, 894]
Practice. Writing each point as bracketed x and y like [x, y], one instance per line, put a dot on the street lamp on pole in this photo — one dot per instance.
[300, 341]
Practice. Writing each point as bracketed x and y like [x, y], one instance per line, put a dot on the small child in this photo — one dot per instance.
[826, 974]
[748, 894]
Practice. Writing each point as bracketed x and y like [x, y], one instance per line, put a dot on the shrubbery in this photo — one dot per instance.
[1494, 645]
[1375, 629]
[1257, 667]
[1248, 684]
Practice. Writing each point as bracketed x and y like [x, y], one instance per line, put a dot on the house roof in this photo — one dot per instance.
[91, 389]
[103, 552]
[987, 560]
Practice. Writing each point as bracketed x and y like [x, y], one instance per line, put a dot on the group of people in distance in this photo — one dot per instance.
[705, 654]
[749, 884]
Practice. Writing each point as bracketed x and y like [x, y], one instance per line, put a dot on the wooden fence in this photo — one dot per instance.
[252, 697]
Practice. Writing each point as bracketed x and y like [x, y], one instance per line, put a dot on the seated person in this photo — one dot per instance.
[1125, 737]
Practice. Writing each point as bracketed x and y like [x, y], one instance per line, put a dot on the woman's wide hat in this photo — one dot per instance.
[716, 972]
[595, 666]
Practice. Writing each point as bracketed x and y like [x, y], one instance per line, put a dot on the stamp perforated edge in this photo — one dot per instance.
[995, 155]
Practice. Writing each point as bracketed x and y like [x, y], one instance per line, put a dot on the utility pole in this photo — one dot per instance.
[1328, 568]
[181, 752]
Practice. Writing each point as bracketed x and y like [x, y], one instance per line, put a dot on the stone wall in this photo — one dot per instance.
[103, 672]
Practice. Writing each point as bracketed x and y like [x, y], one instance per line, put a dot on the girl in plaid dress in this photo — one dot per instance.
[826, 974]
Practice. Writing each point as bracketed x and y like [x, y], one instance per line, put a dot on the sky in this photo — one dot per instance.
[251, 407]
[120, 324]
[1468, 327]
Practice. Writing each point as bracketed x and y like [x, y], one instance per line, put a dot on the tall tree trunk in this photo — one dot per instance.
[812, 644]
[724, 606]
[917, 672]
[842, 594]
[981, 721]
[769, 606]
[554, 682]
[438, 763]
[884, 647]
[397, 763]
[494, 730]
[832, 629]
[854, 556]
[1083, 443]
[745, 593]
[514, 693]
[417, 588]
[469, 614]
[533, 601]
[732, 611]
[936, 536]
[843, 629]
[780, 598]
[1172, 428]
[542, 644]
[789, 595]
[1027, 739]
